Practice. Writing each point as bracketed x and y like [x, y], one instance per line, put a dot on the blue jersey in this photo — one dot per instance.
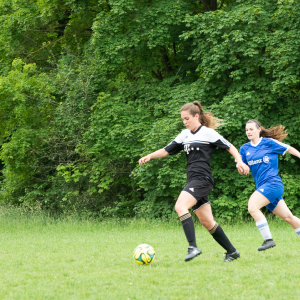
[262, 158]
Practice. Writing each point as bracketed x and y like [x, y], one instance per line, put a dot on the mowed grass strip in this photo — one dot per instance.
[42, 258]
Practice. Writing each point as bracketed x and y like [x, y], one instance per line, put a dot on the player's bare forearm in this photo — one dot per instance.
[233, 151]
[242, 167]
[161, 153]
[294, 151]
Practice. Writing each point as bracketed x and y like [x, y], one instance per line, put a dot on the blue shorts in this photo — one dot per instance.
[273, 191]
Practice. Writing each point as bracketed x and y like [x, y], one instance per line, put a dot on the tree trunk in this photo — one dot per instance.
[157, 75]
[209, 5]
[165, 60]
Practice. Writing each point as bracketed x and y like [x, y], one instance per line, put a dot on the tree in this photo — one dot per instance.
[96, 84]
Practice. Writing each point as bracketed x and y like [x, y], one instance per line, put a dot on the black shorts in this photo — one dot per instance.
[199, 189]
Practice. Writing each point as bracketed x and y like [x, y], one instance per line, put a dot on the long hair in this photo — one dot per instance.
[206, 118]
[277, 132]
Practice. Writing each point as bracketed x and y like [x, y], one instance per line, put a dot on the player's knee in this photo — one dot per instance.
[203, 222]
[178, 208]
[288, 218]
[208, 224]
[251, 209]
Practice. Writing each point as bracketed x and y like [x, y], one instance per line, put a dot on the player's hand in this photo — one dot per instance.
[243, 169]
[144, 159]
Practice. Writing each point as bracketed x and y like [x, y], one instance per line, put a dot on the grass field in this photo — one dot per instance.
[42, 258]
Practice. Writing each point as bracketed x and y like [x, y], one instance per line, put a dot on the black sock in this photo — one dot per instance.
[221, 238]
[189, 229]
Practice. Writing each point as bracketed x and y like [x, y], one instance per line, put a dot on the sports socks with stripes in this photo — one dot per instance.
[298, 231]
[189, 229]
[220, 237]
[264, 229]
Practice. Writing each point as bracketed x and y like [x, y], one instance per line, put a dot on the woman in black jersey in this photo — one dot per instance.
[198, 142]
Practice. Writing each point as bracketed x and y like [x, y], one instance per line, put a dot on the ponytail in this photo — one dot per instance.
[205, 118]
[277, 132]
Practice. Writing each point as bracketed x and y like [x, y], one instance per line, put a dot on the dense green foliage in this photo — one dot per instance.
[89, 86]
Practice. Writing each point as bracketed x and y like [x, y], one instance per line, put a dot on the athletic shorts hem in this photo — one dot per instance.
[200, 206]
[273, 191]
[272, 206]
[189, 194]
[199, 189]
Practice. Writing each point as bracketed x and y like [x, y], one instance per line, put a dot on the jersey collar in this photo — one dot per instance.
[194, 132]
[254, 145]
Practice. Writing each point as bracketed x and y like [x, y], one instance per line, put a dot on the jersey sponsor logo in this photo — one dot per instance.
[248, 153]
[187, 148]
[192, 189]
[265, 159]
[262, 190]
[254, 162]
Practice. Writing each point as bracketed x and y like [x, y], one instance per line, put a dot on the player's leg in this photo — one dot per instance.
[283, 212]
[256, 202]
[184, 202]
[205, 216]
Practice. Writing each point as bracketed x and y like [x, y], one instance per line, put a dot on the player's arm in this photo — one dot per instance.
[240, 171]
[161, 153]
[294, 151]
[241, 166]
[219, 141]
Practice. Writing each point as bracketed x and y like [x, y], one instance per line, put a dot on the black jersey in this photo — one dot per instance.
[198, 147]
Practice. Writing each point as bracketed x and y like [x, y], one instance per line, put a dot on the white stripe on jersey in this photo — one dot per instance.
[283, 145]
[204, 136]
[195, 141]
[225, 142]
[203, 142]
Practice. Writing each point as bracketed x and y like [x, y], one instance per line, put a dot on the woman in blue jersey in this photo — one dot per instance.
[198, 142]
[261, 154]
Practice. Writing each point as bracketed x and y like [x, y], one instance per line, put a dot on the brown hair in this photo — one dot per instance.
[206, 118]
[277, 132]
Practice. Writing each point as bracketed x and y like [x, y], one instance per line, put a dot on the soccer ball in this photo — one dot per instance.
[144, 254]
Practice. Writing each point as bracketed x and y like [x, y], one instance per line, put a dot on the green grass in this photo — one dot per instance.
[42, 258]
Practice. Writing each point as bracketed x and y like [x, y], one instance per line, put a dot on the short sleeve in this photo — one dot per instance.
[176, 145]
[216, 139]
[278, 147]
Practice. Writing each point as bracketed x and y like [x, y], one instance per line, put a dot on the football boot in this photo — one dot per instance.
[231, 256]
[266, 245]
[192, 253]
